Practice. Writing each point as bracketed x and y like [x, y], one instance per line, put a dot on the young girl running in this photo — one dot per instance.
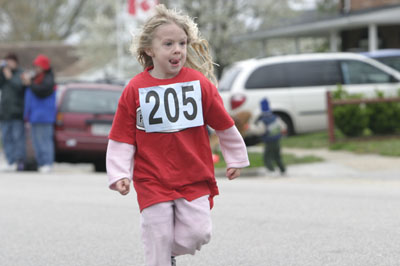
[159, 138]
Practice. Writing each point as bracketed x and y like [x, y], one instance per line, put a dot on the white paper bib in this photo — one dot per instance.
[171, 107]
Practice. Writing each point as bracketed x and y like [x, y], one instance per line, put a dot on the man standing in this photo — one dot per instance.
[12, 112]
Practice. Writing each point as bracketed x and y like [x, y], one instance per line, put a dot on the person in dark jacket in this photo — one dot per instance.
[40, 111]
[11, 113]
[271, 138]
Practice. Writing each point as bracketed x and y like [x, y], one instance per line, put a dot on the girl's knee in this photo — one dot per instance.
[189, 241]
[202, 236]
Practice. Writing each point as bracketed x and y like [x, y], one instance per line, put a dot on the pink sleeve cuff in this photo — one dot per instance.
[233, 148]
[119, 161]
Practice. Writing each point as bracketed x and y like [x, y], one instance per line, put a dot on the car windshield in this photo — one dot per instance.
[91, 101]
[392, 61]
[228, 77]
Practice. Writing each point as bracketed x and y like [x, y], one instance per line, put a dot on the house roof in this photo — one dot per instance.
[317, 25]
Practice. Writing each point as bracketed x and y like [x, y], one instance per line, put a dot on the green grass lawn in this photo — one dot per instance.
[389, 146]
[256, 159]
[307, 141]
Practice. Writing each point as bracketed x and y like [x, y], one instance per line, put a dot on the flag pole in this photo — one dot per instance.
[118, 40]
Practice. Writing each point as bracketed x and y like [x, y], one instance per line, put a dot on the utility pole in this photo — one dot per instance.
[118, 39]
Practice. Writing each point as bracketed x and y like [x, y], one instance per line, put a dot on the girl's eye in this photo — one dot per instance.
[168, 43]
[183, 43]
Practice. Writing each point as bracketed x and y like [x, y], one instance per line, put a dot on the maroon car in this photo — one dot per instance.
[85, 112]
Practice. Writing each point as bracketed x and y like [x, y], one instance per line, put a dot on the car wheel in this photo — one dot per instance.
[100, 166]
[287, 124]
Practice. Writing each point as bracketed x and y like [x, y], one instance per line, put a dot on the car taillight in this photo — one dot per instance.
[237, 100]
[59, 119]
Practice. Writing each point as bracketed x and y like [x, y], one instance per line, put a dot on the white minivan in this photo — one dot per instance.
[296, 86]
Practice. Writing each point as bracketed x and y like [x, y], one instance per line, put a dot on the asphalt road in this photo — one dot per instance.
[311, 217]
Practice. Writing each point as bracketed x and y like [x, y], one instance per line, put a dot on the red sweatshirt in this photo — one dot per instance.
[177, 163]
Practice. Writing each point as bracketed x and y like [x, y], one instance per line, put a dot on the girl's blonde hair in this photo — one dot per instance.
[198, 52]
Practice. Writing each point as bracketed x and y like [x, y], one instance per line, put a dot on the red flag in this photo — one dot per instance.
[138, 7]
[144, 5]
[131, 7]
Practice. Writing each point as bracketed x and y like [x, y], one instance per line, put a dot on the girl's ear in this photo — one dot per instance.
[149, 52]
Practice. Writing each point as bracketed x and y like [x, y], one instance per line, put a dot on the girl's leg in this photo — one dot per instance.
[192, 225]
[157, 224]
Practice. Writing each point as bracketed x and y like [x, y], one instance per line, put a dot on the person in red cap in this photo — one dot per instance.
[40, 111]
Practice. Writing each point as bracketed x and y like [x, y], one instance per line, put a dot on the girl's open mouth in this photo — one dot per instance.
[174, 61]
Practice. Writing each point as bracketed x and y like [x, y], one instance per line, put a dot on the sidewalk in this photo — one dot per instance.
[336, 164]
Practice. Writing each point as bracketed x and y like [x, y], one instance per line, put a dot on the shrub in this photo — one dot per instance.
[350, 119]
[383, 117]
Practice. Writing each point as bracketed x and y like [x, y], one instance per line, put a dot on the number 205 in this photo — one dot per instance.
[187, 100]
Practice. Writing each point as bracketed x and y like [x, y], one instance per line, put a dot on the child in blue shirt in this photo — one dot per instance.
[271, 138]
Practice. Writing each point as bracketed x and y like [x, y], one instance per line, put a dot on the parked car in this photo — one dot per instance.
[390, 57]
[85, 112]
[296, 86]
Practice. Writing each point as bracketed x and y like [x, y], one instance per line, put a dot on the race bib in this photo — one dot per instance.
[171, 107]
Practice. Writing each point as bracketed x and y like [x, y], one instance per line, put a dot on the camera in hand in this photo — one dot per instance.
[31, 73]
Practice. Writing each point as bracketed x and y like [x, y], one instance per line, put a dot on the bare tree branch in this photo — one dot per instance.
[73, 18]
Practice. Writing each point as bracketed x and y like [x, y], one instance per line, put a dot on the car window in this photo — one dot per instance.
[90, 101]
[392, 61]
[356, 72]
[313, 73]
[228, 77]
[269, 76]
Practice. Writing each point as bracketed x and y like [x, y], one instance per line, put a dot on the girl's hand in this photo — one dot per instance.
[232, 173]
[122, 186]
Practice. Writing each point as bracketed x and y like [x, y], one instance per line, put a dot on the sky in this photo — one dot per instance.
[306, 4]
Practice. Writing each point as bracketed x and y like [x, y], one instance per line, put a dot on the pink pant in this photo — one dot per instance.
[175, 228]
